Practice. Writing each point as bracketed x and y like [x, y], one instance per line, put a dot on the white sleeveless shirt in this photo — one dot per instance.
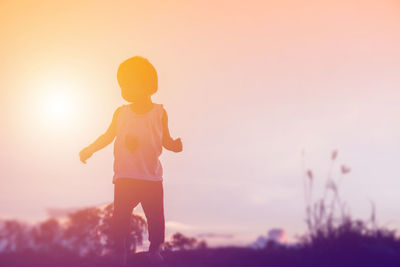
[146, 131]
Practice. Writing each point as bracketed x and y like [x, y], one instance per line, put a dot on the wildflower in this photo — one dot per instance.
[331, 185]
[310, 174]
[334, 154]
[345, 169]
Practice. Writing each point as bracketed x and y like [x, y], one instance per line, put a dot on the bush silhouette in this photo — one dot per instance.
[182, 242]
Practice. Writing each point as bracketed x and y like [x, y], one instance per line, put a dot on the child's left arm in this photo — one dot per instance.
[174, 145]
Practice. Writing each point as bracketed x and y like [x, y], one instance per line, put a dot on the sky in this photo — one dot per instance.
[258, 91]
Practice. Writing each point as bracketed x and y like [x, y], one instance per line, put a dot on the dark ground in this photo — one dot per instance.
[221, 257]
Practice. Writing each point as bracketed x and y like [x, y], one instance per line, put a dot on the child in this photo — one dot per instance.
[141, 130]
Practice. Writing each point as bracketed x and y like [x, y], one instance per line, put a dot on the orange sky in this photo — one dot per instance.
[247, 86]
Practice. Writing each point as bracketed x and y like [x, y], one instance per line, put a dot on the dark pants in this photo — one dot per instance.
[128, 193]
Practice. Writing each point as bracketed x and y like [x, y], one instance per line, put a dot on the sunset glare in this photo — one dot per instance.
[57, 104]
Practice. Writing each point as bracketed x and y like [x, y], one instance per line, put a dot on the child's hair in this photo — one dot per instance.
[137, 75]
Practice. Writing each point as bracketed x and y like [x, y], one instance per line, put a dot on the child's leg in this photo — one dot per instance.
[153, 207]
[125, 199]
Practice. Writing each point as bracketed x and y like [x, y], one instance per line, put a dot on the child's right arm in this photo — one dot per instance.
[169, 143]
[102, 141]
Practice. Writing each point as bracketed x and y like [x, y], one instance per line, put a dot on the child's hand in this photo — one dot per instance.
[131, 142]
[85, 154]
[176, 145]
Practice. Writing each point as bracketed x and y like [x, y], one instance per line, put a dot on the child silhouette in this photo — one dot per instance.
[140, 130]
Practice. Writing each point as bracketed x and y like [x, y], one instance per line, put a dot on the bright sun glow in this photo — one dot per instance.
[57, 104]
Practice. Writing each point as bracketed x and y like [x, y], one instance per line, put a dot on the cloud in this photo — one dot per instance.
[215, 235]
[60, 212]
[276, 235]
[178, 226]
[63, 212]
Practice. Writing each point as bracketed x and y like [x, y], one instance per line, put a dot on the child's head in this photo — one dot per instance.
[137, 78]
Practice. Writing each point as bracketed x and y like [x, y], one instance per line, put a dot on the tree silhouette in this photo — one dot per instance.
[82, 233]
[85, 232]
[47, 236]
[14, 236]
[138, 227]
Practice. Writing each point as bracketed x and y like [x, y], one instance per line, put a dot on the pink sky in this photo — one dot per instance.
[247, 87]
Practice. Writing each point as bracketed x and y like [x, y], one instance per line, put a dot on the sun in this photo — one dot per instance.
[58, 105]
[58, 109]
